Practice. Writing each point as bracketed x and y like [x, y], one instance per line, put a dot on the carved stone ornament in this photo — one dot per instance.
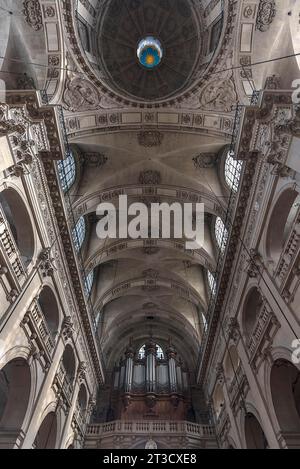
[150, 138]
[81, 95]
[205, 160]
[33, 14]
[67, 328]
[218, 95]
[150, 250]
[266, 14]
[151, 444]
[151, 273]
[46, 263]
[273, 83]
[95, 160]
[151, 178]
[82, 371]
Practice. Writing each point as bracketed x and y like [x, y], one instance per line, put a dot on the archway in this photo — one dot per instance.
[47, 433]
[19, 222]
[254, 434]
[49, 307]
[82, 399]
[251, 311]
[15, 385]
[281, 223]
[218, 400]
[285, 389]
[69, 363]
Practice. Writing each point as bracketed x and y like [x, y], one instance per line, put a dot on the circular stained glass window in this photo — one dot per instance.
[150, 52]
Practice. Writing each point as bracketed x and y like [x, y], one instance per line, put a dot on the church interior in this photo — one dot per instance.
[138, 342]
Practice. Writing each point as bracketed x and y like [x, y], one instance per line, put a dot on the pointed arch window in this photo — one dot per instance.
[221, 234]
[233, 169]
[67, 172]
[78, 233]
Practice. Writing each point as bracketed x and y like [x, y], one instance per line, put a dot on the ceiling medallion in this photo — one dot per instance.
[150, 52]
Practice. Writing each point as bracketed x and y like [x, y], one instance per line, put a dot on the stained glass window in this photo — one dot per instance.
[67, 172]
[79, 233]
[221, 234]
[233, 169]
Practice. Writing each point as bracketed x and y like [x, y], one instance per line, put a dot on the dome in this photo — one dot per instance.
[148, 50]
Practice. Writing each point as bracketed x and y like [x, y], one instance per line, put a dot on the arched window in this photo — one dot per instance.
[221, 234]
[78, 233]
[212, 282]
[67, 172]
[205, 325]
[142, 352]
[88, 283]
[159, 352]
[15, 217]
[233, 169]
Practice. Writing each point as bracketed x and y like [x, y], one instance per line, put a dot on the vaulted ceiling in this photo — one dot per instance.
[156, 135]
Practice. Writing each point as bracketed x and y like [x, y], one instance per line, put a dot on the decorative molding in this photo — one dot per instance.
[266, 15]
[150, 138]
[33, 14]
[150, 178]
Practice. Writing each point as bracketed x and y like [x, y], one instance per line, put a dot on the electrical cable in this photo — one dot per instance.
[76, 72]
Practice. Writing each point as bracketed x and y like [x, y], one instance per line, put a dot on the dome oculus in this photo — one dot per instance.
[149, 52]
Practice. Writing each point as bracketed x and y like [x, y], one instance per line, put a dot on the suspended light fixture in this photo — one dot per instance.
[150, 52]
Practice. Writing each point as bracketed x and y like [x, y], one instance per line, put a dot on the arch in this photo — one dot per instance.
[67, 171]
[49, 306]
[285, 392]
[19, 222]
[254, 434]
[232, 171]
[69, 363]
[15, 388]
[79, 233]
[218, 400]
[221, 234]
[46, 436]
[251, 311]
[281, 222]
[82, 398]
